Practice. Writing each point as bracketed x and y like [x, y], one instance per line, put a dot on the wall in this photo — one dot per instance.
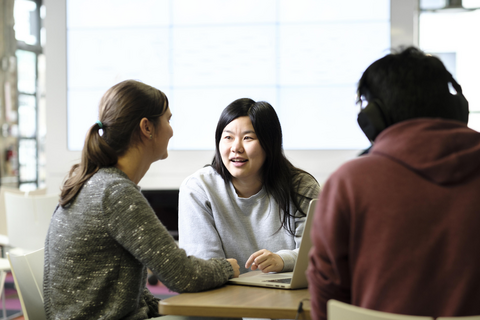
[169, 173]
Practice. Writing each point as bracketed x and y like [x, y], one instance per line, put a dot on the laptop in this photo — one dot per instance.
[284, 280]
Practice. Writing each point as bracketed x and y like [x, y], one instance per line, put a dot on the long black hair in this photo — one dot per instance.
[278, 174]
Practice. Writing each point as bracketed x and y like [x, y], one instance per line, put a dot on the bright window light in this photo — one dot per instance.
[304, 57]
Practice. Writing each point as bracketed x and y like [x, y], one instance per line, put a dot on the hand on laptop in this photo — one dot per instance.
[266, 261]
[235, 266]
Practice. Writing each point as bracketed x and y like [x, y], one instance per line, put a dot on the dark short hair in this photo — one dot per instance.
[410, 84]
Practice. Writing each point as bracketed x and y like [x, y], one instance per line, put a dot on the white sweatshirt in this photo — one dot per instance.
[215, 223]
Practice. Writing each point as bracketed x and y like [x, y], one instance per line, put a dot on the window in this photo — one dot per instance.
[30, 92]
[449, 34]
[304, 57]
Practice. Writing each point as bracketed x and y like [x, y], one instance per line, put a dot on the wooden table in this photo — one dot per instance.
[239, 301]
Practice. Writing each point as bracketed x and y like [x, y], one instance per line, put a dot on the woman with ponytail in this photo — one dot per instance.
[104, 235]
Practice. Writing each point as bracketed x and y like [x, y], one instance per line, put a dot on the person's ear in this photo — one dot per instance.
[146, 128]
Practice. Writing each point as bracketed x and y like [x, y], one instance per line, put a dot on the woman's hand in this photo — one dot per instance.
[235, 266]
[266, 261]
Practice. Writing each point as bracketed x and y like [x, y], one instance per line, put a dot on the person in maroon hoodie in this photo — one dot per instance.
[398, 229]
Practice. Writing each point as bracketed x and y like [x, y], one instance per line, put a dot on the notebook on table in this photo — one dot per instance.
[285, 280]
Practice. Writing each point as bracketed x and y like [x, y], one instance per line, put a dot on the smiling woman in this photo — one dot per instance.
[251, 202]
[243, 156]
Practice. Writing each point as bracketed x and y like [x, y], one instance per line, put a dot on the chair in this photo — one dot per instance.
[337, 310]
[3, 275]
[4, 268]
[28, 219]
[3, 217]
[27, 273]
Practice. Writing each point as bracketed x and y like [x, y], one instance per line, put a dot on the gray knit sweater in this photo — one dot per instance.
[215, 223]
[99, 246]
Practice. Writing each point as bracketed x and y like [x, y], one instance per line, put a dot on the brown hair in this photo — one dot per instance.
[121, 109]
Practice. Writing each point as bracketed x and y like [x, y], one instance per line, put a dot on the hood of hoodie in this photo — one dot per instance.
[442, 151]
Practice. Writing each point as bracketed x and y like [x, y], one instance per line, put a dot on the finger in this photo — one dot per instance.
[274, 266]
[268, 269]
[250, 262]
[252, 258]
[271, 264]
[263, 258]
[265, 264]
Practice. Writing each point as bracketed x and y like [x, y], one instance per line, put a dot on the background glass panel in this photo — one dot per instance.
[439, 35]
[205, 58]
[27, 156]
[321, 118]
[25, 26]
[194, 125]
[27, 71]
[224, 56]
[221, 12]
[117, 13]
[27, 116]
[28, 186]
[334, 11]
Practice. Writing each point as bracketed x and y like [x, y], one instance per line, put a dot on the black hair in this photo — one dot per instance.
[278, 174]
[411, 84]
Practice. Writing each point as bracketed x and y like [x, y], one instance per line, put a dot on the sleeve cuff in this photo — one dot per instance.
[288, 260]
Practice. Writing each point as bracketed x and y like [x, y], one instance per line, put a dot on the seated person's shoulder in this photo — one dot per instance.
[204, 178]
[114, 182]
[365, 161]
[359, 169]
[304, 180]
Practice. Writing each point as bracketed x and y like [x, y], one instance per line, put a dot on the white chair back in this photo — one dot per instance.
[4, 264]
[3, 275]
[27, 273]
[4, 268]
[3, 215]
[337, 310]
[28, 219]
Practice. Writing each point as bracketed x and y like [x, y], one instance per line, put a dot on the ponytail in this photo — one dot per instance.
[121, 109]
[95, 155]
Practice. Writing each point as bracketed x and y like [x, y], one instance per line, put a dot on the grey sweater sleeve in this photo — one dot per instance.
[134, 225]
[197, 231]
